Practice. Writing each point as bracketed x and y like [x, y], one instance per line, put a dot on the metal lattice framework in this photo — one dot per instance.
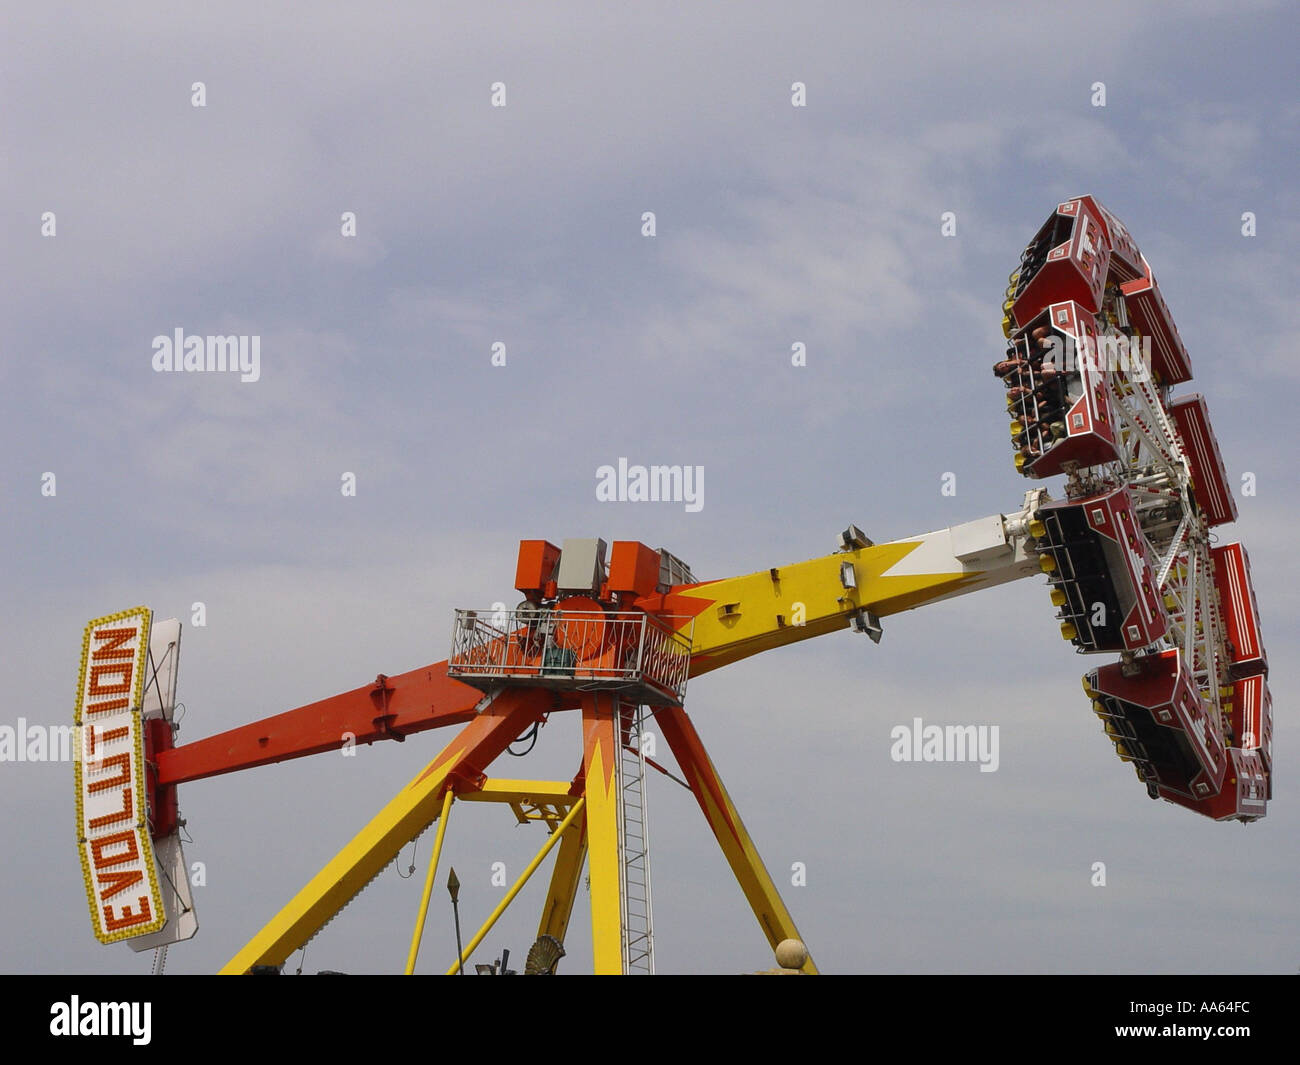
[1092, 359]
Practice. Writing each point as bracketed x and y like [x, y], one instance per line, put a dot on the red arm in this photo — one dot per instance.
[390, 708]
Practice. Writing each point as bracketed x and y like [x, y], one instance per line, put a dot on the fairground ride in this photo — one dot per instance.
[614, 632]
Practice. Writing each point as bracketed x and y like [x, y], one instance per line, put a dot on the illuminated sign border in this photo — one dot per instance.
[140, 828]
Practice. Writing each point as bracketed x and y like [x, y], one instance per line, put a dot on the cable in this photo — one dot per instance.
[175, 890]
[410, 872]
[533, 733]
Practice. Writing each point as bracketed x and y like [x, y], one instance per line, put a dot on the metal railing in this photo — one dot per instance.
[574, 650]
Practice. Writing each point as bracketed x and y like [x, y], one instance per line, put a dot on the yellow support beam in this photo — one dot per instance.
[428, 882]
[732, 836]
[558, 908]
[531, 800]
[405, 817]
[516, 887]
[757, 612]
[534, 792]
[600, 765]
[737, 617]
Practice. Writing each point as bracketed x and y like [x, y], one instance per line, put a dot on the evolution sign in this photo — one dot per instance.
[117, 860]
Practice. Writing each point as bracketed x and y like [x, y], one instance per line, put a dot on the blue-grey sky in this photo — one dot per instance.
[523, 224]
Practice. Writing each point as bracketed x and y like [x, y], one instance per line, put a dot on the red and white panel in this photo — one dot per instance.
[1245, 792]
[1113, 517]
[1086, 418]
[1103, 572]
[1149, 316]
[1164, 725]
[1067, 260]
[1209, 475]
[1252, 716]
[1239, 610]
[1126, 262]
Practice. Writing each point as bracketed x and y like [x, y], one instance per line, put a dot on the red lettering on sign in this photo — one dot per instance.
[123, 881]
[125, 670]
[114, 924]
[108, 736]
[113, 649]
[127, 814]
[121, 760]
[99, 846]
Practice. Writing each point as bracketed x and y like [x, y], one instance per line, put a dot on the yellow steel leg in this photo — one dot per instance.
[428, 882]
[728, 828]
[564, 881]
[600, 764]
[412, 811]
[518, 886]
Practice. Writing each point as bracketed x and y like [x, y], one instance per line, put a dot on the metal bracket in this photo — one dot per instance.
[384, 720]
[865, 621]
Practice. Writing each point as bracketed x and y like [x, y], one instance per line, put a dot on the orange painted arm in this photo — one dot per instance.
[391, 708]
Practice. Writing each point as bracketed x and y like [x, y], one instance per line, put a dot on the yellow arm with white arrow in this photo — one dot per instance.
[856, 586]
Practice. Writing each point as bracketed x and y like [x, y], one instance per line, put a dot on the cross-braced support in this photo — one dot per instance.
[404, 818]
[582, 817]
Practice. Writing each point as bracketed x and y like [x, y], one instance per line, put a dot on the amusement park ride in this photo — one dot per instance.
[614, 633]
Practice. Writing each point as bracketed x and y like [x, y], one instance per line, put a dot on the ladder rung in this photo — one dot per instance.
[634, 847]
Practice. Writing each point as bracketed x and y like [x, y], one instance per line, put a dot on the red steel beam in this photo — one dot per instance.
[391, 708]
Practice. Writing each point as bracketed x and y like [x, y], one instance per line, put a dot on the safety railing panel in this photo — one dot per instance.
[574, 649]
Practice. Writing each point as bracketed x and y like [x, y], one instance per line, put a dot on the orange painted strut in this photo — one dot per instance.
[391, 708]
